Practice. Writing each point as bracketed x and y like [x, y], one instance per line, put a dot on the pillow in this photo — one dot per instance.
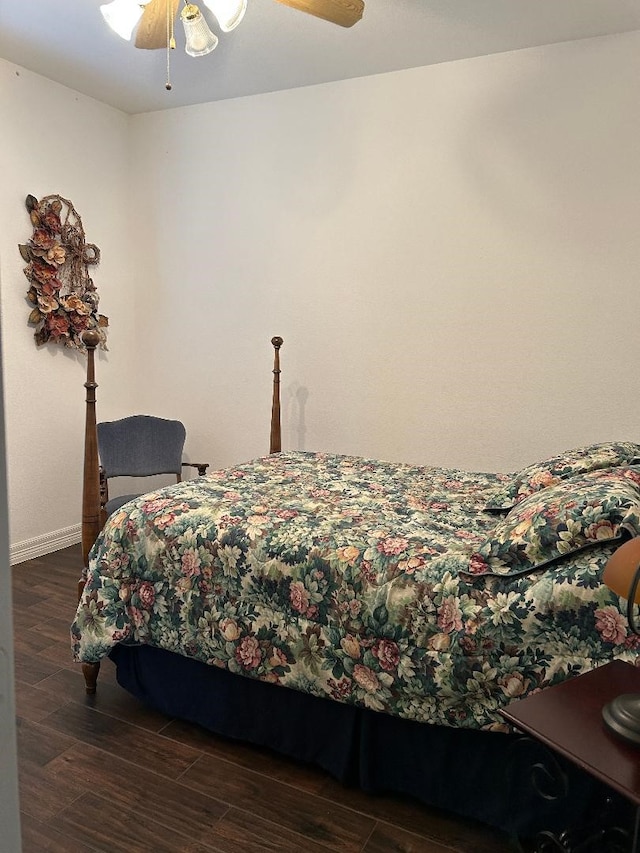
[594, 508]
[552, 471]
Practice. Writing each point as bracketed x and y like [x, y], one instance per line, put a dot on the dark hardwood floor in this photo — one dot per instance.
[105, 773]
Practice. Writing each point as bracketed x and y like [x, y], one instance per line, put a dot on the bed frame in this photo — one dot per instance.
[375, 751]
[92, 516]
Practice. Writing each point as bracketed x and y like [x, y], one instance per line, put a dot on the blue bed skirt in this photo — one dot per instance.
[483, 776]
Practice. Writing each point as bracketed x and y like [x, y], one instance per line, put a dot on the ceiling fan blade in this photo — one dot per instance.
[346, 13]
[152, 29]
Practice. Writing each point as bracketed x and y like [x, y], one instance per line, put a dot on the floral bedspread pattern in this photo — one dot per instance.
[340, 577]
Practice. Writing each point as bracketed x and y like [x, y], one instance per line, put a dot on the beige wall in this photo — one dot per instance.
[450, 253]
[54, 140]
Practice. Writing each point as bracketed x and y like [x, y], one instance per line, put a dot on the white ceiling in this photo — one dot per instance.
[276, 47]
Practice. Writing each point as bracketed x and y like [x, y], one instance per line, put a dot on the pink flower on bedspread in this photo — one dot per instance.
[391, 546]
[368, 572]
[477, 565]
[449, 616]
[299, 597]
[366, 678]
[387, 653]
[354, 607]
[287, 514]
[543, 479]
[601, 530]
[137, 617]
[190, 563]
[165, 520]
[340, 690]
[119, 636]
[633, 476]
[611, 624]
[149, 507]
[319, 493]
[146, 594]
[248, 653]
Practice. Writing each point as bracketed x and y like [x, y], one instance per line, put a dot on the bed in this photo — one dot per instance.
[369, 617]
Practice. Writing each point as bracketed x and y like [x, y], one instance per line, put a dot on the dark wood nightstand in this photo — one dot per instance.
[567, 718]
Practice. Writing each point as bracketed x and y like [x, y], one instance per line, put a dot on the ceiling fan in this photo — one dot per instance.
[152, 27]
[151, 16]
[155, 19]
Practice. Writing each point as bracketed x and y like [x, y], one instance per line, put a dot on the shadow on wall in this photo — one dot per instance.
[295, 415]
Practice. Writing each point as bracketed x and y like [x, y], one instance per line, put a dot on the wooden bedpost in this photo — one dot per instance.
[275, 445]
[91, 475]
[90, 483]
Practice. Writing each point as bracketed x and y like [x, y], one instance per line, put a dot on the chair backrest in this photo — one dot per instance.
[140, 446]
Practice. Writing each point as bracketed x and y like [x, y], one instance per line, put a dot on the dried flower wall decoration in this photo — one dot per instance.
[63, 296]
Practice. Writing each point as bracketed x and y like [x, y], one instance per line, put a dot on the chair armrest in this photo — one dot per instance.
[201, 466]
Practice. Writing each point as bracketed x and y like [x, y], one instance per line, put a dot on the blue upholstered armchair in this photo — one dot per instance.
[139, 446]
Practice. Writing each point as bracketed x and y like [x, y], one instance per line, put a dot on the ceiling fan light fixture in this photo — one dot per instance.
[228, 13]
[123, 15]
[199, 39]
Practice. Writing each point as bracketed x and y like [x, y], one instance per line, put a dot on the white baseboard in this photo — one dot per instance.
[45, 544]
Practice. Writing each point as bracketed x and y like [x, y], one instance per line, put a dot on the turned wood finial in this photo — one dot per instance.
[277, 342]
[90, 338]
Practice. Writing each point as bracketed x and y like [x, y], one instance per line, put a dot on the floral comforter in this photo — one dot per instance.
[341, 577]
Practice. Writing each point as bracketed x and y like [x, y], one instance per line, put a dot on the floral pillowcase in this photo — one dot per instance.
[552, 471]
[594, 508]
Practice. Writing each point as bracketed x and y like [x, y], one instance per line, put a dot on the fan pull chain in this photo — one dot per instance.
[171, 44]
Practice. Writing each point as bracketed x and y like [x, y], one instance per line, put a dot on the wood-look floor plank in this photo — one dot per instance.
[317, 819]
[110, 828]
[25, 619]
[29, 642]
[391, 839]
[89, 725]
[136, 788]
[54, 606]
[41, 795]
[60, 654]
[31, 668]
[39, 837]
[68, 685]
[39, 744]
[251, 757]
[34, 704]
[25, 595]
[447, 829]
[242, 832]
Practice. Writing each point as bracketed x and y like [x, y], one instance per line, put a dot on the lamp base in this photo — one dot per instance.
[622, 717]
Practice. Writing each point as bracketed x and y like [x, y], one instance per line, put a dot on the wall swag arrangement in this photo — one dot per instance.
[62, 293]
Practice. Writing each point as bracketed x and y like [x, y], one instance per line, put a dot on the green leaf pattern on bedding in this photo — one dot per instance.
[341, 577]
